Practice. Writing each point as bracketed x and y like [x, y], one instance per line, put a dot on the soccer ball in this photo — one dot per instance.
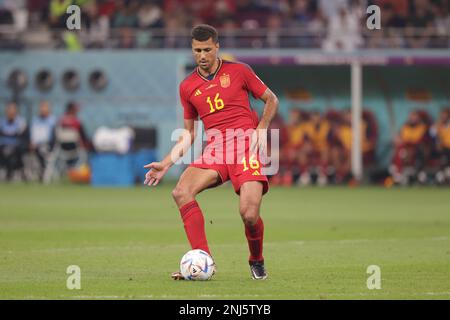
[197, 265]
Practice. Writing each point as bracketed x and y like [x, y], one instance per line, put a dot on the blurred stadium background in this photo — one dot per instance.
[92, 106]
[122, 69]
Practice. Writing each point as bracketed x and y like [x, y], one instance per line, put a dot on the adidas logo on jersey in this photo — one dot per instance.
[197, 93]
[211, 86]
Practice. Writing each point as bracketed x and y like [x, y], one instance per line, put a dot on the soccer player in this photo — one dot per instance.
[441, 134]
[316, 135]
[410, 148]
[218, 92]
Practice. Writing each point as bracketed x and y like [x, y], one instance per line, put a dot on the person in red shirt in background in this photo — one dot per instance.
[69, 122]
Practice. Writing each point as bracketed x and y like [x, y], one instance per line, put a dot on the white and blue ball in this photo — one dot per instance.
[197, 265]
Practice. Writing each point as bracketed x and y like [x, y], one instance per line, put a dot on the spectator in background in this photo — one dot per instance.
[71, 121]
[400, 7]
[305, 150]
[202, 10]
[42, 134]
[409, 153]
[391, 33]
[282, 7]
[441, 11]
[150, 15]
[419, 24]
[274, 32]
[391, 18]
[331, 8]
[13, 141]
[344, 32]
[97, 26]
[16, 14]
[277, 123]
[6, 16]
[316, 147]
[172, 38]
[316, 29]
[441, 132]
[125, 15]
[393, 23]
[330, 24]
[107, 8]
[292, 147]
[38, 11]
[301, 12]
[127, 38]
[57, 13]
[228, 34]
[224, 9]
[70, 147]
[341, 155]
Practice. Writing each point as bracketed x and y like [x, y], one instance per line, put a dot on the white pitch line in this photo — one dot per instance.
[181, 245]
[218, 296]
[110, 297]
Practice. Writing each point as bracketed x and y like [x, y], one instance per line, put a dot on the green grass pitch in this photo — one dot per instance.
[318, 243]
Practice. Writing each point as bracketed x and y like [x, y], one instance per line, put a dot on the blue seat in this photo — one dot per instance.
[141, 158]
[110, 169]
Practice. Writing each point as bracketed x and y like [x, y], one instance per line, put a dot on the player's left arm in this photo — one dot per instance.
[259, 140]
[270, 108]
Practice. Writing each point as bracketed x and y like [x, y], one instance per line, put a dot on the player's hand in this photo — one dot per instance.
[259, 141]
[155, 174]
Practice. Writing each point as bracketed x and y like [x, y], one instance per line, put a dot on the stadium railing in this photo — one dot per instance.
[296, 37]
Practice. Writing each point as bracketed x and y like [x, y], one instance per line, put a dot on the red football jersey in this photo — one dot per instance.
[222, 102]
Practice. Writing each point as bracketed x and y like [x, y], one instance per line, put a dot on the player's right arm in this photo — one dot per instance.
[158, 169]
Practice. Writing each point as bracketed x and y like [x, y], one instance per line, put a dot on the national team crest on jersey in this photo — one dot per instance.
[225, 80]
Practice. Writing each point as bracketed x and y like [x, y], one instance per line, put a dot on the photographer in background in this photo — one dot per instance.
[42, 134]
[13, 141]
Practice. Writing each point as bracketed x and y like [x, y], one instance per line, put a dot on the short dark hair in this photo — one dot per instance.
[203, 32]
[71, 106]
[11, 103]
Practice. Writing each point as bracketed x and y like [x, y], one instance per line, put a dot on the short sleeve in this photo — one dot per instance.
[189, 110]
[253, 83]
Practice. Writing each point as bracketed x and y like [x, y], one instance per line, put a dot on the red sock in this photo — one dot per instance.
[255, 235]
[194, 225]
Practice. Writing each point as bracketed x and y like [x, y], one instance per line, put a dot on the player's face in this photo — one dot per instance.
[205, 53]
[44, 109]
[414, 118]
[11, 111]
